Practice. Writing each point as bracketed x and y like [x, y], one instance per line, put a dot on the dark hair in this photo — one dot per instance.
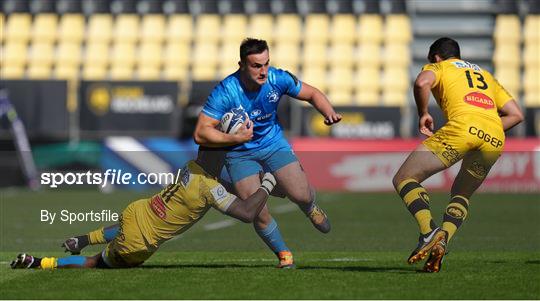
[252, 46]
[445, 48]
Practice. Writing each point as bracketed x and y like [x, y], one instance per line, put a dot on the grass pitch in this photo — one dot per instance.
[496, 254]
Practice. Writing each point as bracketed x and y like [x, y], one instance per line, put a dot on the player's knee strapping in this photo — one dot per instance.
[416, 199]
[102, 235]
[456, 212]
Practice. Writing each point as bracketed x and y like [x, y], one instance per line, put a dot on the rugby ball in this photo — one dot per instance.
[232, 121]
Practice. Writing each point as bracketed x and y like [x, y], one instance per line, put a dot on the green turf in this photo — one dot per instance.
[495, 256]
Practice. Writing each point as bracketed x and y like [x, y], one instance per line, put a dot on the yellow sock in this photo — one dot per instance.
[48, 263]
[97, 237]
[416, 199]
[456, 212]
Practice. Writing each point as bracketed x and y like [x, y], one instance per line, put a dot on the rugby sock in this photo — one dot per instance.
[103, 235]
[416, 199]
[456, 212]
[272, 237]
[71, 261]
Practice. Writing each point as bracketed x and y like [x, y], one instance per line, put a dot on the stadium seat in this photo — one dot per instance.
[68, 72]
[531, 30]
[341, 85]
[288, 28]
[314, 55]
[315, 76]
[94, 72]
[343, 30]
[44, 28]
[229, 57]
[531, 85]
[205, 61]
[396, 79]
[18, 28]
[126, 28]
[99, 28]
[286, 56]
[341, 98]
[68, 54]
[394, 98]
[208, 28]
[122, 60]
[397, 29]
[370, 29]
[71, 28]
[2, 27]
[149, 56]
[507, 29]
[531, 55]
[177, 55]
[234, 29]
[153, 28]
[368, 79]
[397, 55]
[317, 29]
[369, 55]
[41, 60]
[14, 60]
[367, 98]
[261, 26]
[180, 29]
[177, 73]
[509, 77]
[96, 60]
[342, 55]
[507, 55]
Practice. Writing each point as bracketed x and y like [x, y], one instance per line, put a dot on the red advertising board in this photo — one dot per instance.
[369, 165]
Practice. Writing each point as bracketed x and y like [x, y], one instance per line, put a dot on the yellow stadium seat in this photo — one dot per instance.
[234, 29]
[119, 72]
[343, 29]
[45, 28]
[261, 26]
[339, 97]
[315, 76]
[66, 71]
[398, 29]
[68, 54]
[203, 73]
[507, 29]
[42, 54]
[531, 55]
[153, 28]
[71, 28]
[397, 55]
[14, 53]
[123, 59]
[394, 98]
[342, 55]
[286, 56]
[39, 72]
[180, 29]
[368, 79]
[396, 79]
[369, 55]
[99, 28]
[126, 28]
[205, 60]
[178, 73]
[150, 54]
[506, 55]
[531, 30]
[314, 55]
[367, 97]
[531, 82]
[341, 79]
[288, 28]
[2, 27]
[229, 57]
[18, 27]
[177, 55]
[509, 78]
[150, 72]
[95, 72]
[317, 29]
[208, 28]
[370, 29]
[96, 54]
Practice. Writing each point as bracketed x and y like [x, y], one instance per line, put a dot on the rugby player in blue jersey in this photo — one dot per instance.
[257, 88]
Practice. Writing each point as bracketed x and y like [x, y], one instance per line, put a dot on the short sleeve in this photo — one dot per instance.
[221, 198]
[288, 83]
[435, 68]
[501, 95]
[216, 104]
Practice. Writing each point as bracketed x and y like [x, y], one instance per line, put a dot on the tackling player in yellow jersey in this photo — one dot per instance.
[147, 223]
[478, 110]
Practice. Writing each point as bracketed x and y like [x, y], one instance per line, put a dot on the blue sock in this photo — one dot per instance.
[272, 237]
[110, 232]
[71, 260]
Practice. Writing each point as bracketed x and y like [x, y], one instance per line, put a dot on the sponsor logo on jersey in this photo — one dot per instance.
[479, 100]
[464, 64]
[185, 177]
[219, 192]
[255, 113]
[158, 207]
[272, 96]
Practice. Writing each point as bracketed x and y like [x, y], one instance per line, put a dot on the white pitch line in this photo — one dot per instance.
[219, 225]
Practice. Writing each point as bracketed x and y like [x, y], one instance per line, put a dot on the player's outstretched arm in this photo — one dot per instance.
[246, 210]
[422, 88]
[320, 102]
[207, 134]
[511, 115]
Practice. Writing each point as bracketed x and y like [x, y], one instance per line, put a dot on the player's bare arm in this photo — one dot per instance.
[422, 89]
[511, 115]
[319, 101]
[208, 135]
[247, 210]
